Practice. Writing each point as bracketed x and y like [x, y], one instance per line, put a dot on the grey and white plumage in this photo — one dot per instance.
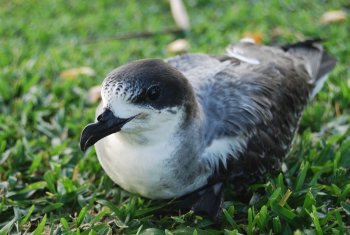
[186, 125]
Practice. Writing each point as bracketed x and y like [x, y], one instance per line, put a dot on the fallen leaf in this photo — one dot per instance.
[179, 13]
[333, 17]
[75, 175]
[337, 109]
[178, 46]
[252, 37]
[95, 94]
[75, 72]
[278, 31]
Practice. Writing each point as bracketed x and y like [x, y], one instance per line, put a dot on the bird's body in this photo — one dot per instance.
[213, 119]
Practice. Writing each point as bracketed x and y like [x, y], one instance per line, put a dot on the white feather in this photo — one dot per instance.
[219, 150]
[235, 53]
[319, 84]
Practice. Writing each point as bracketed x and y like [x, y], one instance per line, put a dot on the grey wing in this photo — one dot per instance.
[260, 105]
[252, 101]
[197, 61]
[198, 68]
[295, 75]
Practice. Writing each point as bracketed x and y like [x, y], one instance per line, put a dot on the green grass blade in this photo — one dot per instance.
[35, 164]
[263, 217]
[301, 176]
[65, 224]
[285, 197]
[283, 212]
[275, 195]
[40, 227]
[99, 216]
[81, 216]
[52, 207]
[277, 227]
[25, 219]
[250, 222]
[309, 201]
[346, 207]
[50, 180]
[33, 187]
[316, 221]
[7, 227]
[229, 218]
[340, 221]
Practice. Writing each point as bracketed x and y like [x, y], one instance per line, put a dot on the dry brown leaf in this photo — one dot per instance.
[179, 13]
[178, 46]
[278, 31]
[75, 72]
[337, 109]
[333, 17]
[252, 37]
[95, 94]
[75, 175]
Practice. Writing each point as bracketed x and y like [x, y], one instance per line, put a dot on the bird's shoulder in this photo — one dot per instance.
[197, 67]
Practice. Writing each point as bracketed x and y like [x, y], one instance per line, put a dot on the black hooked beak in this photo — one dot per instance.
[106, 124]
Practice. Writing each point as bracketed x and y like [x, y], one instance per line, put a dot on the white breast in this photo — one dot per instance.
[137, 170]
[144, 170]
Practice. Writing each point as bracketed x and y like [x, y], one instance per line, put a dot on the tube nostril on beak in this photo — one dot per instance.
[105, 115]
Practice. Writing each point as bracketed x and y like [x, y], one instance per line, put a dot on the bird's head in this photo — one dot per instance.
[138, 97]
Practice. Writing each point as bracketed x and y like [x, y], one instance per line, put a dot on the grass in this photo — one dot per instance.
[47, 185]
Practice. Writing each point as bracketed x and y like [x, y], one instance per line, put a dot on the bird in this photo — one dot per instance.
[185, 127]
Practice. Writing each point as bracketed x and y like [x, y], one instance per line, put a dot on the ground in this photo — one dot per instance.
[47, 185]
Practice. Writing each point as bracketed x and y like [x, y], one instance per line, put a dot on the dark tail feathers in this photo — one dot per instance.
[319, 62]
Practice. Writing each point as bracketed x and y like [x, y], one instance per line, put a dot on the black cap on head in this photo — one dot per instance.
[151, 82]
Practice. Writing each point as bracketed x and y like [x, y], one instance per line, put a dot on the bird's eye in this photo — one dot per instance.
[153, 92]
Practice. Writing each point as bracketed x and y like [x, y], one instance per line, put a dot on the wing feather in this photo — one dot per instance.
[252, 108]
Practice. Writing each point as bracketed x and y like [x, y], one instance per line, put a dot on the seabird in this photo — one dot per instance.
[186, 126]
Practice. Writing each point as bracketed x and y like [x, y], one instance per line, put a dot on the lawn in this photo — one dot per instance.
[47, 185]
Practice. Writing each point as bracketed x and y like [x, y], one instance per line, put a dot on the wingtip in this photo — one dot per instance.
[309, 43]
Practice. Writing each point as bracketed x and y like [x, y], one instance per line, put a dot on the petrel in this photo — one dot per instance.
[186, 126]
